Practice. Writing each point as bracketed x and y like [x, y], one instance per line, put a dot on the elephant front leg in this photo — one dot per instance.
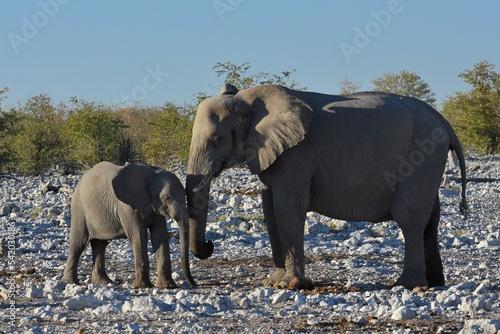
[274, 237]
[286, 232]
[159, 240]
[292, 239]
[139, 240]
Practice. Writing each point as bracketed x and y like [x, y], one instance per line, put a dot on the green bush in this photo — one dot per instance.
[239, 76]
[137, 128]
[93, 134]
[8, 127]
[169, 136]
[35, 138]
[405, 83]
[475, 114]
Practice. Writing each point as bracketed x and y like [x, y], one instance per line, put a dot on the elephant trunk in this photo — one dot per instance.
[184, 248]
[198, 209]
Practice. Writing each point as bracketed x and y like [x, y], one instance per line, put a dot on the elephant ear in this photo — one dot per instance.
[131, 186]
[277, 120]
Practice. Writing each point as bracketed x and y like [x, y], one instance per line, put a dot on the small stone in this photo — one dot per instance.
[257, 295]
[448, 299]
[367, 249]
[181, 294]
[72, 290]
[481, 326]
[359, 319]
[283, 313]
[434, 307]
[245, 302]
[54, 284]
[383, 311]
[471, 304]
[299, 300]
[456, 243]
[133, 328]
[353, 241]
[34, 292]
[235, 201]
[403, 313]
[244, 226]
[493, 243]
[108, 308]
[82, 302]
[481, 289]
[60, 318]
[250, 203]
[169, 299]
[316, 228]
[281, 297]
[146, 304]
[222, 198]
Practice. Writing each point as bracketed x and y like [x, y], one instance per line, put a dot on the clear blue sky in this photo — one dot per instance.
[158, 51]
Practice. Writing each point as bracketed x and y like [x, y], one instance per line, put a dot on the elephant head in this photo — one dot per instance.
[254, 125]
[148, 190]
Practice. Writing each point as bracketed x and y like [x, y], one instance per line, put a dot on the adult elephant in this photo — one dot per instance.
[362, 157]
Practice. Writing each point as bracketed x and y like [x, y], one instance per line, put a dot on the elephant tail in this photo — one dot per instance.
[457, 147]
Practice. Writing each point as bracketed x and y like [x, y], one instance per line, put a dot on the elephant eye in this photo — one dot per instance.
[215, 139]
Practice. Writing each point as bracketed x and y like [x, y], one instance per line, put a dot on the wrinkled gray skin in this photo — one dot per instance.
[113, 202]
[361, 157]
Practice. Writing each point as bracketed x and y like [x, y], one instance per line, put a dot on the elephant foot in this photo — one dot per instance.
[412, 283]
[275, 277]
[436, 280]
[69, 279]
[281, 280]
[141, 284]
[103, 280]
[166, 284]
[292, 282]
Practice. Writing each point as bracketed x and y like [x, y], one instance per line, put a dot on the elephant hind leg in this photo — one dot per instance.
[99, 275]
[433, 264]
[413, 225]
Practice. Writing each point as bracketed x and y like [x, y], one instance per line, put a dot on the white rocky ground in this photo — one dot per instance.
[350, 263]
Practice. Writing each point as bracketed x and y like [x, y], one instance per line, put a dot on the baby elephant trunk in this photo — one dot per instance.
[184, 248]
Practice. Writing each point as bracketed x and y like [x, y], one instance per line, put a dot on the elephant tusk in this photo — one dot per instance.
[203, 183]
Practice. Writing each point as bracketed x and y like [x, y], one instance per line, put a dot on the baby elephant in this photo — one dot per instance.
[112, 202]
